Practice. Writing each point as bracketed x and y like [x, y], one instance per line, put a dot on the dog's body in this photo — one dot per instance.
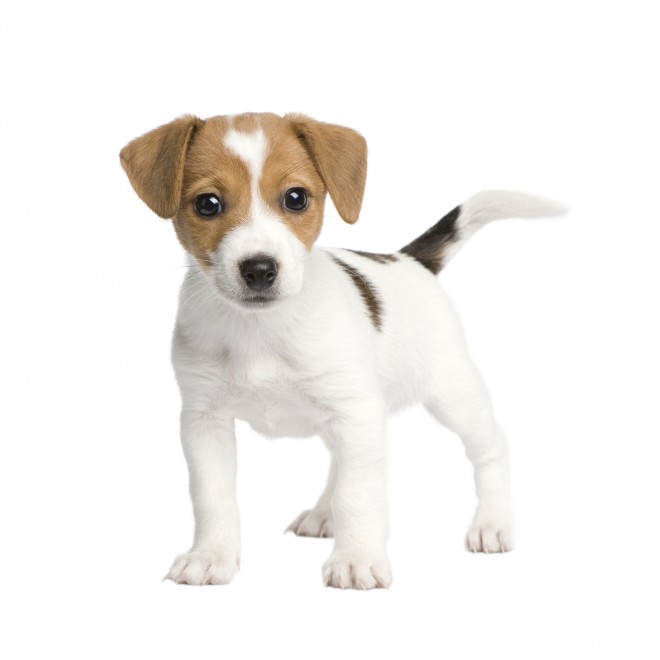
[301, 341]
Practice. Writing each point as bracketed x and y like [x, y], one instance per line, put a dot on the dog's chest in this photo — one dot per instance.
[273, 395]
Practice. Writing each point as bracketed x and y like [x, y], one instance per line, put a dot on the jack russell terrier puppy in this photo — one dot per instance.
[301, 341]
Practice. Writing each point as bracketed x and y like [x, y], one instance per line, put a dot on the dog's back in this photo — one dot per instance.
[416, 328]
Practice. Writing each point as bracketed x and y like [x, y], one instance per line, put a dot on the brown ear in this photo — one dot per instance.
[340, 156]
[154, 164]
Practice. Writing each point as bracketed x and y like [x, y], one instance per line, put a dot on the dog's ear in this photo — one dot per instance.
[340, 156]
[154, 164]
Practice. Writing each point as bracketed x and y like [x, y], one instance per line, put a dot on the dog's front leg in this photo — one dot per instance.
[209, 445]
[359, 504]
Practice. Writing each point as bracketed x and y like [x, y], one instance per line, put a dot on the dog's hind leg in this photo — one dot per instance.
[458, 398]
[318, 521]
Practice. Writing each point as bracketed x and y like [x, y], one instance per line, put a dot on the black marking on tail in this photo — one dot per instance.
[429, 248]
[367, 291]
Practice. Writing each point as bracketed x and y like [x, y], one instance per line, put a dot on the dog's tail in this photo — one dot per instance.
[435, 247]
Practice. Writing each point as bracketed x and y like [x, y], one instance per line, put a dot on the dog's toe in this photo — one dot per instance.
[313, 523]
[201, 567]
[357, 572]
[489, 539]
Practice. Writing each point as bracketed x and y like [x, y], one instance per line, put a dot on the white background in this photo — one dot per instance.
[555, 97]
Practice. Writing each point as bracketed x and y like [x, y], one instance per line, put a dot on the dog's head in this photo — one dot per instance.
[246, 193]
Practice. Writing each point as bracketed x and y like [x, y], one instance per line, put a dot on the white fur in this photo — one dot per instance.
[314, 364]
[489, 205]
[251, 148]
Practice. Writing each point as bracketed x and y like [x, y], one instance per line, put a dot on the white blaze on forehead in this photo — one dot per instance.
[251, 148]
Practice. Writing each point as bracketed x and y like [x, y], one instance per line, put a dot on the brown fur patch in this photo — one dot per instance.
[155, 161]
[171, 166]
[367, 291]
[340, 155]
[289, 165]
[212, 168]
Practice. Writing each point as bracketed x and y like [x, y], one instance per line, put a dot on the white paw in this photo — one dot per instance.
[204, 567]
[489, 537]
[357, 571]
[313, 523]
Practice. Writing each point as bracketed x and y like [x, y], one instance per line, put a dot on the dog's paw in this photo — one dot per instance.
[357, 571]
[489, 538]
[204, 567]
[313, 523]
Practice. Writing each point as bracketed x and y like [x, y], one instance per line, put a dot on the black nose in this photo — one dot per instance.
[259, 273]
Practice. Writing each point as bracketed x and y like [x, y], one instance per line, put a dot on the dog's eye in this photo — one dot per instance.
[208, 205]
[295, 199]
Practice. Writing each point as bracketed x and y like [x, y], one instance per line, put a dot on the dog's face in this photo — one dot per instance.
[247, 193]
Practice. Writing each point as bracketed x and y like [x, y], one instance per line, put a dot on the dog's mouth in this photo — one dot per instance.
[244, 298]
[260, 300]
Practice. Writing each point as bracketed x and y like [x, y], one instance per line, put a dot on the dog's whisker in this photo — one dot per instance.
[197, 291]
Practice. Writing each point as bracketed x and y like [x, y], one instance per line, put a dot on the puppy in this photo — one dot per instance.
[301, 341]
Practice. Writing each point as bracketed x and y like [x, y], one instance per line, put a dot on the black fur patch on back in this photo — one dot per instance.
[374, 256]
[367, 291]
[429, 248]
